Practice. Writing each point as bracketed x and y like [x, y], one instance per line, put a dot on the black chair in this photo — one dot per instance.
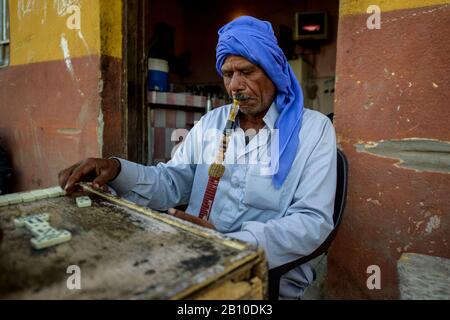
[339, 205]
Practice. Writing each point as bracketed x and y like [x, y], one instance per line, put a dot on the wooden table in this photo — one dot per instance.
[125, 251]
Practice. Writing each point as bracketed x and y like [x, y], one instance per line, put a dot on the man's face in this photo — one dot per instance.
[249, 84]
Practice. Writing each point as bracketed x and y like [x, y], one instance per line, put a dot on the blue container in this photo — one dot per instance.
[158, 75]
[158, 81]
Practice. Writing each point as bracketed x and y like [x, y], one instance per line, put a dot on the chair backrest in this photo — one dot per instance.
[339, 206]
[340, 199]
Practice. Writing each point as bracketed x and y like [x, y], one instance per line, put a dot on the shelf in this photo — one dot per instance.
[181, 99]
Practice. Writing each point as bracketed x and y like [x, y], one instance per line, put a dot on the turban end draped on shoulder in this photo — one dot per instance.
[255, 40]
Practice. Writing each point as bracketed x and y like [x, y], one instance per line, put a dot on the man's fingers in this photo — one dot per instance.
[101, 179]
[82, 170]
[64, 175]
[98, 171]
[106, 170]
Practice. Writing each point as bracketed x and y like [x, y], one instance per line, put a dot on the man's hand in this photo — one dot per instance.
[97, 171]
[190, 218]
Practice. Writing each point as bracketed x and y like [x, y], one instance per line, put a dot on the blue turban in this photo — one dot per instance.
[254, 40]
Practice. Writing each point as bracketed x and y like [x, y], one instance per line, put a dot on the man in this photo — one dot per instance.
[288, 212]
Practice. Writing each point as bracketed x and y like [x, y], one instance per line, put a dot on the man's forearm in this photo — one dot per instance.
[158, 187]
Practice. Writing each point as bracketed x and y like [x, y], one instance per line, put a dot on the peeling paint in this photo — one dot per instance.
[36, 141]
[25, 7]
[61, 6]
[100, 86]
[376, 202]
[100, 128]
[418, 224]
[369, 104]
[45, 13]
[433, 223]
[421, 155]
[69, 131]
[83, 115]
[80, 35]
[65, 48]
[68, 60]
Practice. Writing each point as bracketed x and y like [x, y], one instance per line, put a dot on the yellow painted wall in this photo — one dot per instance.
[111, 27]
[360, 6]
[39, 32]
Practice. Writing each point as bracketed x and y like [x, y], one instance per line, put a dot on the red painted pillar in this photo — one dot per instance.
[392, 120]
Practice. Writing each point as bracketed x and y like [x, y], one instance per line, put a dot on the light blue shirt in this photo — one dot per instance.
[287, 223]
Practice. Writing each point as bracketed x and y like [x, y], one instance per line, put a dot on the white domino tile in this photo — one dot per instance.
[44, 235]
[28, 197]
[83, 202]
[40, 194]
[4, 200]
[51, 238]
[37, 218]
[15, 198]
[52, 192]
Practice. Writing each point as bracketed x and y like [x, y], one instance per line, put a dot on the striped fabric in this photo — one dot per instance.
[163, 123]
[181, 99]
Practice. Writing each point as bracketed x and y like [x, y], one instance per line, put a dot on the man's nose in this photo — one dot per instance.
[236, 83]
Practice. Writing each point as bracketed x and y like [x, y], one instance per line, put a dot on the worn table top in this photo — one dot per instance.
[124, 251]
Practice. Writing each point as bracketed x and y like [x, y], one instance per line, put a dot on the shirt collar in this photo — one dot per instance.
[271, 116]
[269, 119]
